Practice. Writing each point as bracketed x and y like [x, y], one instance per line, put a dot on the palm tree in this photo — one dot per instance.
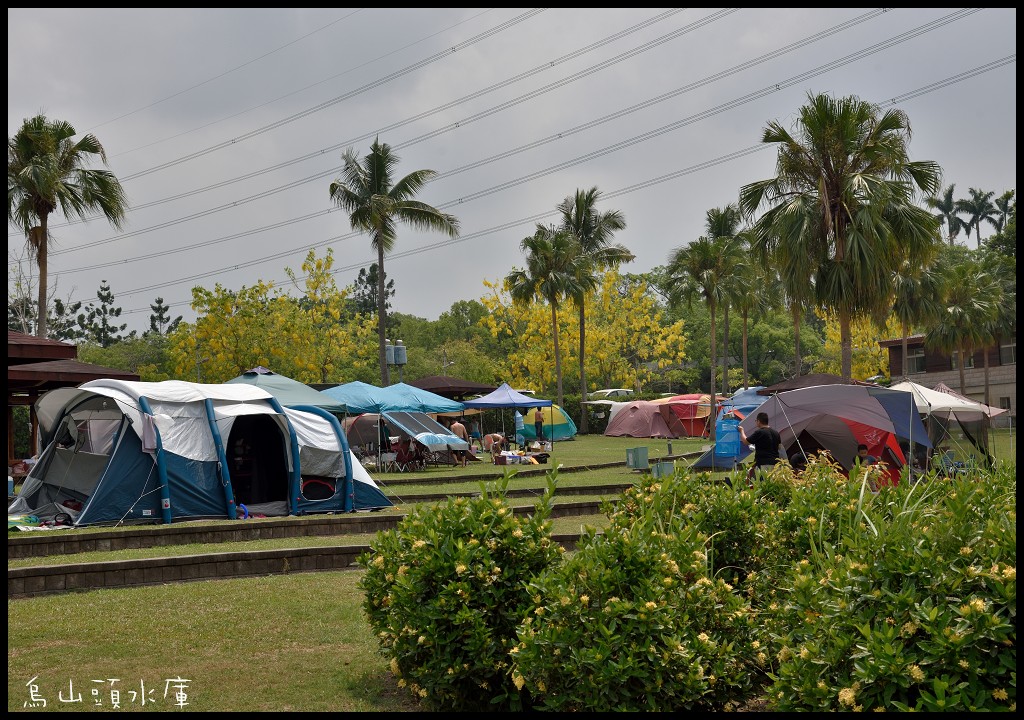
[967, 310]
[752, 295]
[701, 269]
[724, 223]
[843, 202]
[917, 300]
[375, 203]
[1004, 206]
[947, 212]
[46, 170]
[1003, 322]
[978, 207]
[593, 231]
[555, 270]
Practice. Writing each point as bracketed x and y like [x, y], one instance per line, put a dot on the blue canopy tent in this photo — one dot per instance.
[506, 398]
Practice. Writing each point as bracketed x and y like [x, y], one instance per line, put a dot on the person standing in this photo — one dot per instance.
[538, 423]
[766, 441]
[459, 431]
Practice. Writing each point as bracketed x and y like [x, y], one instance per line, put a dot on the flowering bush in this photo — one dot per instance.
[633, 621]
[446, 591]
[909, 606]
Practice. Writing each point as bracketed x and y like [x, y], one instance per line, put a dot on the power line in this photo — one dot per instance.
[736, 102]
[436, 110]
[617, 193]
[228, 72]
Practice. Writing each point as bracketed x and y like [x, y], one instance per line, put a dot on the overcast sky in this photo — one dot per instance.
[226, 127]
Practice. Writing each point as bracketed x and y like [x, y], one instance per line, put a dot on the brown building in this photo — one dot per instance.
[929, 368]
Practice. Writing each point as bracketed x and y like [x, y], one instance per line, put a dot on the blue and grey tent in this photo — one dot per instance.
[119, 452]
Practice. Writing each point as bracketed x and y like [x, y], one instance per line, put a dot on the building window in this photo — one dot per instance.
[915, 360]
[1008, 351]
[1004, 403]
[954, 361]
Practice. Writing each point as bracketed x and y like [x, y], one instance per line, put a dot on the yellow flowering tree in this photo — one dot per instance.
[310, 339]
[328, 345]
[869, 359]
[625, 329]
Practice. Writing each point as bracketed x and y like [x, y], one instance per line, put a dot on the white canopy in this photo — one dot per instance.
[933, 402]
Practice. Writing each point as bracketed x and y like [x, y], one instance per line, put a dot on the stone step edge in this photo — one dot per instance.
[49, 580]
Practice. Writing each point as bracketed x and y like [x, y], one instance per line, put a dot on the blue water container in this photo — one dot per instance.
[727, 437]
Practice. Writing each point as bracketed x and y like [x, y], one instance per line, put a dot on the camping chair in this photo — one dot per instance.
[949, 467]
[408, 458]
[389, 462]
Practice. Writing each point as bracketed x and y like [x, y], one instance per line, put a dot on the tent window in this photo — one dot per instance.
[954, 361]
[915, 360]
[1008, 352]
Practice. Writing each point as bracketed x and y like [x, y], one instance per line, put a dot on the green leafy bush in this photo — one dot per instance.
[633, 622]
[446, 591]
[906, 600]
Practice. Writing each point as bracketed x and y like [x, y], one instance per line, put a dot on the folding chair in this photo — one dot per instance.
[388, 462]
[408, 459]
[948, 466]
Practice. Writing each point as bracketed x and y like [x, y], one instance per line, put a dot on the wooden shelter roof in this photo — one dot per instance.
[23, 348]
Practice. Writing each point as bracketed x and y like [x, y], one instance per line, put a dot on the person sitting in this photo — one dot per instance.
[863, 457]
[798, 461]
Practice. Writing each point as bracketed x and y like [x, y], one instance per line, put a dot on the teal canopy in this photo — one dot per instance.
[360, 397]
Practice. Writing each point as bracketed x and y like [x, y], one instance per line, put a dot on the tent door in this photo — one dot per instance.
[257, 460]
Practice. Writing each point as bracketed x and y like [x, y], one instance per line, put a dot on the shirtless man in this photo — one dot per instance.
[459, 431]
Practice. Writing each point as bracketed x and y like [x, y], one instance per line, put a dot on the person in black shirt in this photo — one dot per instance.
[766, 442]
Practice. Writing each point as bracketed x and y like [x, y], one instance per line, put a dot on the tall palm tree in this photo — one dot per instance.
[947, 212]
[979, 207]
[46, 170]
[753, 295]
[555, 270]
[1004, 206]
[725, 223]
[700, 270]
[843, 200]
[375, 202]
[593, 231]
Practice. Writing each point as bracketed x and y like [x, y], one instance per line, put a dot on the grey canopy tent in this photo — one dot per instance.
[289, 392]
